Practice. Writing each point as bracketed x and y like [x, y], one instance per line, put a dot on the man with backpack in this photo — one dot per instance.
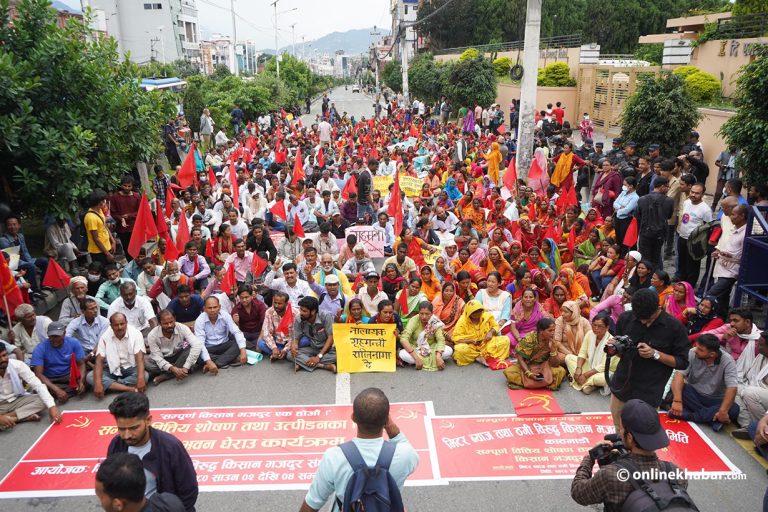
[653, 212]
[366, 473]
[695, 213]
[616, 485]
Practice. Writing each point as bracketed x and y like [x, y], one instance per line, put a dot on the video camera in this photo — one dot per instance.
[621, 345]
[607, 454]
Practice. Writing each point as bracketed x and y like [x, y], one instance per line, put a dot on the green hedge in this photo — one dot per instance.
[702, 86]
[557, 74]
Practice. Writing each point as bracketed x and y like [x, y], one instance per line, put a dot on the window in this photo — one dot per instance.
[153, 7]
[406, 9]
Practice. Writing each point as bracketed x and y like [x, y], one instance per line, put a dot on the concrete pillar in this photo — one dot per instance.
[528, 88]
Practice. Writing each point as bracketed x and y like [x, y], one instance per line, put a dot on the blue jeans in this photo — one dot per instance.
[362, 208]
[601, 282]
[701, 408]
[274, 223]
[264, 349]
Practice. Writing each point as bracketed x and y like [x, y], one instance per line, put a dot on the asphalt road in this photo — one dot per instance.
[468, 390]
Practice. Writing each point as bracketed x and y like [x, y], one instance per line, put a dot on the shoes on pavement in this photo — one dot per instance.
[741, 433]
[717, 426]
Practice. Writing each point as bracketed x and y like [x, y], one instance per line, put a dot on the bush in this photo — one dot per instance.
[392, 76]
[469, 54]
[471, 82]
[502, 65]
[557, 74]
[685, 71]
[426, 78]
[702, 86]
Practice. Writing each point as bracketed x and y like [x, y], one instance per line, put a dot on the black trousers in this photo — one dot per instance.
[225, 353]
[688, 269]
[621, 226]
[650, 248]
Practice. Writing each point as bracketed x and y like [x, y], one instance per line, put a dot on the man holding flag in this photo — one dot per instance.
[59, 363]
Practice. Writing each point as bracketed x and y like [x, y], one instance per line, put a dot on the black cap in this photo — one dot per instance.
[617, 140]
[588, 141]
[631, 144]
[599, 144]
[654, 147]
[642, 421]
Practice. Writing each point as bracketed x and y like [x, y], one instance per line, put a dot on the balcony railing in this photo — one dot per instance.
[740, 27]
[569, 41]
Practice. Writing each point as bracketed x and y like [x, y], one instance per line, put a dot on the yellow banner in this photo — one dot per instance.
[365, 347]
[410, 185]
[382, 183]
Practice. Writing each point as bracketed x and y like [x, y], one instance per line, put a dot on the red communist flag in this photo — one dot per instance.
[12, 297]
[55, 277]
[212, 177]
[182, 233]
[208, 249]
[572, 240]
[298, 229]
[233, 184]
[532, 216]
[349, 187]
[510, 177]
[258, 265]
[630, 236]
[501, 129]
[229, 283]
[287, 321]
[188, 174]
[278, 210]
[358, 282]
[403, 301]
[143, 229]
[162, 225]
[395, 209]
[171, 252]
[320, 158]
[74, 373]
[535, 172]
[169, 197]
[298, 168]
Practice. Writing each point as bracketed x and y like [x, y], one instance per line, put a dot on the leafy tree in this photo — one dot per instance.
[220, 71]
[469, 53]
[392, 76]
[661, 111]
[72, 114]
[471, 82]
[651, 53]
[426, 78]
[741, 7]
[748, 129]
[295, 73]
[557, 74]
[684, 71]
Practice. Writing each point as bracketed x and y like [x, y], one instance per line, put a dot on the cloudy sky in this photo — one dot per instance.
[313, 18]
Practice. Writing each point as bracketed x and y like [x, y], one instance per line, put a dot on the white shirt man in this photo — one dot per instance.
[327, 183]
[264, 122]
[387, 167]
[138, 316]
[221, 137]
[448, 224]
[324, 130]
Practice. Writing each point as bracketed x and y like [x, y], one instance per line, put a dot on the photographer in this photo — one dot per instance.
[657, 344]
[641, 435]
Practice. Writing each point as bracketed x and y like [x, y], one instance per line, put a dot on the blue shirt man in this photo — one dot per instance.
[222, 337]
[54, 360]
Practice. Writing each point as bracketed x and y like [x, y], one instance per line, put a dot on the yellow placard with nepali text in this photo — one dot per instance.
[410, 185]
[364, 347]
[382, 183]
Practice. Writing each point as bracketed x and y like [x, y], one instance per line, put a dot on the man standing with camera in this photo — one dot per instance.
[622, 462]
[657, 344]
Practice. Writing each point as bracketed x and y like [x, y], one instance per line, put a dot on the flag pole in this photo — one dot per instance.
[7, 311]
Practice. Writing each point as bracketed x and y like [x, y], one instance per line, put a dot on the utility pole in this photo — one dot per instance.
[403, 32]
[293, 38]
[375, 35]
[162, 45]
[277, 51]
[234, 38]
[528, 87]
[152, 50]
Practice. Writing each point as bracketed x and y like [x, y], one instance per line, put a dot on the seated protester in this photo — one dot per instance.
[110, 288]
[121, 348]
[224, 341]
[423, 341]
[752, 393]
[194, 267]
[16, 404]
[242, 261]
[138, 310]
[186, 307]
[289, 248]
[406, 267]
[121, 481]
[326, 241]
[173, 349]
[30, 329]
[537, 364]
[296, 207]
[78, 292]
[197, 222]
[148, 276]
[314, 330]
[248, 314]
[349, 208]
[359, 264]
[331, 300]
[570, 330]
[214, 285]
[169, 282]
[355, 313]
[327, 269]
[705, 392]
[54, 360]
[370, 294]
[325, 208]
[14, 238]
[737, 333]
[13, 351]
[476, 338]
[88, 329]
[277, 331]
[384, 226]
[681, 302]
[386, 315]
[309, 262]
[237, 225]
[703, 317]
[259, 241]
[588, 366]
[59, 245]
[346, 251]
[95, 277]
[339, 225]
[289, 282]
[614, 305]
[133, 268]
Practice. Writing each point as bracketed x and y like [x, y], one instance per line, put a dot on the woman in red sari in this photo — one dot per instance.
[223, 245]
[516, 254]
[415, 245]
[581, 234]
[528, 234]
[466, 264]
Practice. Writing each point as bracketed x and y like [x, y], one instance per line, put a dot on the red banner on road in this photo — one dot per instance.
[233, 448]
[512, 447]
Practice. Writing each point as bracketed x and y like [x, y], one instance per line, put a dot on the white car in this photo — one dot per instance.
[355, 88]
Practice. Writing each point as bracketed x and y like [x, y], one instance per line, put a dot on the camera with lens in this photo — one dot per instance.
[621, 345]
[607, 454]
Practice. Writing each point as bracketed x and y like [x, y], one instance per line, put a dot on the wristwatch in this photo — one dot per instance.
[656, 355]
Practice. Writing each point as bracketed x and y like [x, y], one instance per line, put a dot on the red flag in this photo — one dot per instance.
[287, 321]
[395, 209]
[630, 236]
[229, 283]
[258, 265]
[320, 158]
[171, 252]
[532, 216]
[212, 177]
[297, 227]
[208, 249]
[182, 233]
[233, 184]
[143, 229]
[162, 225]
[349, 187]
[501, 129]
[278, 209]
[358, 282]
[535, 172]
[572, 240]
[403, 301]
[12, 297]
[374, 153]
[301, 126]
[188, 174]
[55, 277]
[510, 177]
[74, 373]
[552, 232]
[169, 197]
[298, 168]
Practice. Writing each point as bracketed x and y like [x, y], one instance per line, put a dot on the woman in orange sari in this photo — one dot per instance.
[661, 281]
[464, 206]
[476, 214]
[430, 286]
[448, 307]
[465, 264]
[494, 159]
[516, 255]
[567, 279]
[223, 245]
[495, 262]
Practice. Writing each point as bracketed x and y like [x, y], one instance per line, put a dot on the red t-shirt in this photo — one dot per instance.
[559, 114]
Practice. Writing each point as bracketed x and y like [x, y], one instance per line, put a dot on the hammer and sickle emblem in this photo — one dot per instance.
[80, 422]
[407, 414]
[446, 425]
[543, 399]
[672, 420]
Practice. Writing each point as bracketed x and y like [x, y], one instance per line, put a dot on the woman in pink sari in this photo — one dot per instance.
[681, 298]
[525, 314]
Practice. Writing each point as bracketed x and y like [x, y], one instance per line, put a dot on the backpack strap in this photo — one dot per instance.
[386, 455]
[352, 454]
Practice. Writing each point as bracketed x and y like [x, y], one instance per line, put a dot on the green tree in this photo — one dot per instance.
[295, 73]
[661, 111]
[72, 114]
[502, 66]
[471, 82]
[426, 78]
[392, 76]
[557, 74]
[220, 71]
[748, 129]
[651, 53]
[702, 86]
[741, 7]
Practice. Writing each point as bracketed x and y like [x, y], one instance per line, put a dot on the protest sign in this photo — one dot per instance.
[372, 239]
[410, 185]
[382, 183]
[365, 347]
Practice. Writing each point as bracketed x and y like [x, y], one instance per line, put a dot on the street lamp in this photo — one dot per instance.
[277, 51]
[162, 44]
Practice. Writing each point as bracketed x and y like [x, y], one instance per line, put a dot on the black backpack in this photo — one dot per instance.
[698, 240]
[654, 222]
[370, 489]
[653, 496]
